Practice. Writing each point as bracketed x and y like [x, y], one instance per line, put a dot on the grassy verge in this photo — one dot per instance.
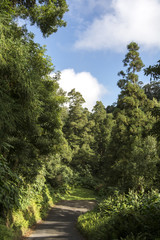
[79, 194]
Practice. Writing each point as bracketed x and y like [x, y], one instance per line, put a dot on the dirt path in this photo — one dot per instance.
[61, 221]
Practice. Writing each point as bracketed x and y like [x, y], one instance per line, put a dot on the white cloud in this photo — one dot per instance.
[130, 20]
[84, 83]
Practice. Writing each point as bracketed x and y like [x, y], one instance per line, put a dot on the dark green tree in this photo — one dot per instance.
[133, 63]
[153, 71]
[30, 120]
[102, 129]
[77, 131]
[51, 143]
[152, 89]
[133, 121]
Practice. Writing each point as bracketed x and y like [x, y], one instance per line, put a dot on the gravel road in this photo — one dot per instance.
[61, 221]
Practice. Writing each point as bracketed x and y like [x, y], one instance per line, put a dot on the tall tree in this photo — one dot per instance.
[77, 130]
[133, 63]
[133, 120]
[102, 129]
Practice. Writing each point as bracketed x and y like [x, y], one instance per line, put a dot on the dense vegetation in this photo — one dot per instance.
[131, 209]
[132, 216]
[46, 148]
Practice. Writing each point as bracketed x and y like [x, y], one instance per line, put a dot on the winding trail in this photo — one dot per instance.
[61, 221]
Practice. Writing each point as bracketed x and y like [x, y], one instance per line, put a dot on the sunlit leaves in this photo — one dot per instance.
[47, 15]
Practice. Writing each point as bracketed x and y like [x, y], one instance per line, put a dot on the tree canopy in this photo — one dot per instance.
[47, 15]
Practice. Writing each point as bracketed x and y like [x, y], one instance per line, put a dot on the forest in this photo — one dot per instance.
[48, 147]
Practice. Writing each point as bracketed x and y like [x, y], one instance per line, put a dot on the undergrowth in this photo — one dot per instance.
[132, 216]
[6, 233]
[34, 203]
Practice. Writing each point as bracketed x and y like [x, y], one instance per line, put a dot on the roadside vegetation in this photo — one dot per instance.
[49, 151]
[132, 216]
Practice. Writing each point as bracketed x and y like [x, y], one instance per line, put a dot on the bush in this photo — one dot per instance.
[58, 174]
[33, 208]
[131, 216]
[8, 187]
[34, 202]
[6, 233]
[83, 177]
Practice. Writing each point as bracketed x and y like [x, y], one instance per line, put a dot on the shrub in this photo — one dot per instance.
[34, 202]
[6, 233]
[83, 177]
[125, 216]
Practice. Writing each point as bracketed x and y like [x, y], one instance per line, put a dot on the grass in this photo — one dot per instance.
[80, 194]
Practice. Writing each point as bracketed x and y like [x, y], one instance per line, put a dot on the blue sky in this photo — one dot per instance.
[90, 50]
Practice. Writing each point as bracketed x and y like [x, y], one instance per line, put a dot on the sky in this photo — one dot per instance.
[89, 51]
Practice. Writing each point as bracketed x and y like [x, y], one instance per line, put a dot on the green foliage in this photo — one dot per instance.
[133, 123]
[83, 176]
[140, 236]
[6, 233]
[35, 201]
[153, 71]
[132, 59]
[47, 15]
[101, 130]
[152, 90]
[131, 216]
[134, 64]
[9, 182]
[58, 174]
[30, 127]
[20, 99]
[30, 120]
[128, 156]
[77, 130]
[139, 169]
[144, 160]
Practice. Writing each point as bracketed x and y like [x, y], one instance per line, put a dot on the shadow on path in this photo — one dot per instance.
[61, 221]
